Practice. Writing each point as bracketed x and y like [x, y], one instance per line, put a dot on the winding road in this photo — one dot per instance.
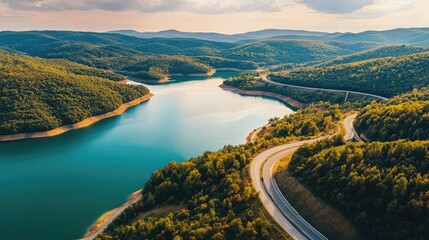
[266, 79]
[261, 172]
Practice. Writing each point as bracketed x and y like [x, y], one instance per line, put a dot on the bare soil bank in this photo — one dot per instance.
[102, 222]
[280, 97]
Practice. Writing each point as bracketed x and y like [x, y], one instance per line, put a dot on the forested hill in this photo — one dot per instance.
[403, 117]
[382, 52]
[123, 53]
[39, 94]
[414, 36]
[277, 51]
[155, 68]
[32, 41]
[384, 76]
[382, 187]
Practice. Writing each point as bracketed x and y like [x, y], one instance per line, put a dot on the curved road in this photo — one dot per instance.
[265, 78]
[269, 193]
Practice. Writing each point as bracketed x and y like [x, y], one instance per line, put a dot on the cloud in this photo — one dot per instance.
[196, 6]
[336, 6]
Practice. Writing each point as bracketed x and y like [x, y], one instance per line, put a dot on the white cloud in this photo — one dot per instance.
[197, 6]
[382, 8]
[336, 6]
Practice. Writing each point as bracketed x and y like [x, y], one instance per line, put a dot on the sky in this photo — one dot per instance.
[224, 16]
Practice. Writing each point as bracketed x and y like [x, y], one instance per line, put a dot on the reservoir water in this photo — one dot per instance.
[54, 188]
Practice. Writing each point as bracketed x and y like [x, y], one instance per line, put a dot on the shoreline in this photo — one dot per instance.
[82, 124]
[277, 96]
[237, 69]
[166, 79]
[104, 220]
[207, 74]
[253, 135]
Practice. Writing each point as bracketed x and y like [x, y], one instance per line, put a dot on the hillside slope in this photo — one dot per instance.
[277, 51]
[382, 187]
[403, 117]
[382, 52]
[385, 76]
[413, 36]
[38, 94]
[122, 53]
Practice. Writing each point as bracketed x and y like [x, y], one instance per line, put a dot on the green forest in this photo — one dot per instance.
[386, 76]
[119, 52]
[218, 202]
[382, 52]
[220, 62]
[142, 59]
[38, 94]
[382, 187]
[403, 117]
[278, 51]
[252, 82]
[159, 67]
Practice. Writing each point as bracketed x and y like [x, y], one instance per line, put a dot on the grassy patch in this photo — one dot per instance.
[160, 211]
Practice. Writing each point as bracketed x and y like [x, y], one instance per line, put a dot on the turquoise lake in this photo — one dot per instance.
[55, 188]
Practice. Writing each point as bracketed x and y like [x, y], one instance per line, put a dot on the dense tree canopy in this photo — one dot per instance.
[144, 59]
[154, 66]
[403, 117]
[385, 76]
[382, 187]
[382, 52]
[219, 62]
[251, 82]
[278, 51]
[39, 94]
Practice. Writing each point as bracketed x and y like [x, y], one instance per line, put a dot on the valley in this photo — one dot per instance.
[167, 113]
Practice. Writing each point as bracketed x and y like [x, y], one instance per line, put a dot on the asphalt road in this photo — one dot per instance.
[269, 193]
[350, 130]
[265, 78]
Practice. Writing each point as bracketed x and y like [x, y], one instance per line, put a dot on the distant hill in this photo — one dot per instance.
[33, 41]
[388, 51]
[277, 51]
[413, 36]
[218, 37]
[40, 94]
[119, 52]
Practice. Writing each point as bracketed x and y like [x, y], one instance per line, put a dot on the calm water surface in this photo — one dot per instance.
[54, 188]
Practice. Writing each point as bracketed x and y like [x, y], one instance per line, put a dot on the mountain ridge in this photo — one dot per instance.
[417, 35]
